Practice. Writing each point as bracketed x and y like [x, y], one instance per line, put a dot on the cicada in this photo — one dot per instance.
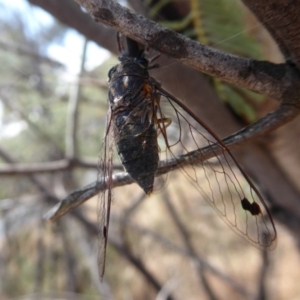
[153, 133]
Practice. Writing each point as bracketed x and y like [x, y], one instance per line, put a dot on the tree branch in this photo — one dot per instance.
[281, 18]
[276, 80]
[274, 120]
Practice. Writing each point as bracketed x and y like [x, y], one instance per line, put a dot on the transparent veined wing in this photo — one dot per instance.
[213, 172]
[104, 203]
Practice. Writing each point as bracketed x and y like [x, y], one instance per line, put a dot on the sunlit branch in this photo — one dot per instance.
[275, 80]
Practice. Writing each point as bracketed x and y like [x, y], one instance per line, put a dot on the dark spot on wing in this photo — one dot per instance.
[253, 208]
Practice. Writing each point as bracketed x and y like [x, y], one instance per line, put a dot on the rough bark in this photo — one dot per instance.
[281, 18]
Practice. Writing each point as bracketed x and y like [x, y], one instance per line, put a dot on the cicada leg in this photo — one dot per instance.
[162, 125]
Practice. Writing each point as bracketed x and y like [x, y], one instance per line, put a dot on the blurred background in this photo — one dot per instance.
[54, 61]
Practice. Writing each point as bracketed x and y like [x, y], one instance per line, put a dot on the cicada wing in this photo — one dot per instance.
[212, 170]
[105, 197]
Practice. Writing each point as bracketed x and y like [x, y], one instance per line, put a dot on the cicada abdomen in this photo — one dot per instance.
[133, 118]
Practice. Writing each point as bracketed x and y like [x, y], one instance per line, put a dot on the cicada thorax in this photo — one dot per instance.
[133, 119]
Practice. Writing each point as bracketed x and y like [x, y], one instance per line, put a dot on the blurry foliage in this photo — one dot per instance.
[34, 96]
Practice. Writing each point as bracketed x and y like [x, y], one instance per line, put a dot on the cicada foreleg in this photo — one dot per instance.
[162, 125]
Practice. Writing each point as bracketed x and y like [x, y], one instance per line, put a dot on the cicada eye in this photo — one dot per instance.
[110, 72]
